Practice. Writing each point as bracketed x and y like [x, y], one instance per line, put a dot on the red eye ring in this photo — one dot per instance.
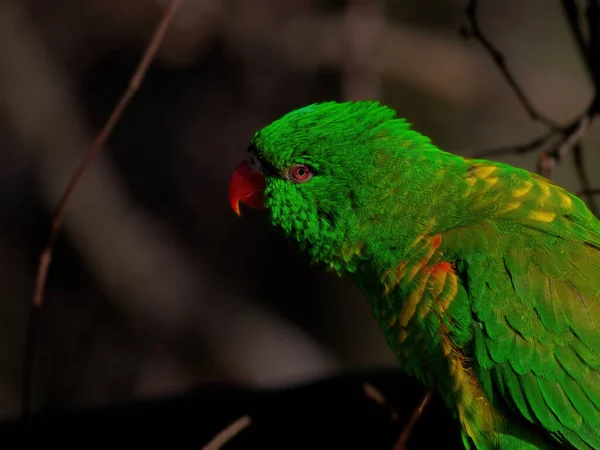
[300, 173]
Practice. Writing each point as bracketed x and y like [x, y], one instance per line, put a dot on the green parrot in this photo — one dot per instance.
[484, 277]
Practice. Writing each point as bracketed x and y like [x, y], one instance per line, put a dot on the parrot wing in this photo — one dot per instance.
[535, 298]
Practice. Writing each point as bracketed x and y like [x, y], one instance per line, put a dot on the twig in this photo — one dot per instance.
[224, 436]
[571, 12]
[570, 135]
[416, 414]
[500, 61]
[46, 256]
[588, 192]
[548, 161]
[593, 13]
[134, 85]
[375, 394]
[527, 147]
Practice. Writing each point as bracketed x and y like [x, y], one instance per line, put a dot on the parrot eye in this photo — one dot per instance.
[299, 173]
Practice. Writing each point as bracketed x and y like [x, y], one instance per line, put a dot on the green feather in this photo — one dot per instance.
[520, 358]
[581, 402]
[558, 403]
[535, 401]
[513, 392]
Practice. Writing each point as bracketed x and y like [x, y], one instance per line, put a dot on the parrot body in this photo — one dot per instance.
[484, 278]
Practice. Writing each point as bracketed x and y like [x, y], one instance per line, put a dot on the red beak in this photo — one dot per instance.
[246, 186]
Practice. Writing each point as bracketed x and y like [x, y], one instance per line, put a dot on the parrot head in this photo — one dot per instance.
[320, 172]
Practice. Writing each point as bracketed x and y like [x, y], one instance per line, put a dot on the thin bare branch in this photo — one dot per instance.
[500, 61]
[548, 161]
[593, 53]
[375, 394]
[587, 191]
[232, 430]
[527, 147]
[571, 12]
[134, 85]
[569, 136]
[416, 414]
[46, 256]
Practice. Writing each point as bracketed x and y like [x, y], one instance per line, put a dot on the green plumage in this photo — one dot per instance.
[485, 278]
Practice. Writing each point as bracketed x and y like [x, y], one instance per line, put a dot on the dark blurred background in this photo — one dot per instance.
[156, 285]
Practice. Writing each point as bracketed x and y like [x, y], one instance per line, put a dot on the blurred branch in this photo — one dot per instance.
[568, 137]
[330, 413]
[571, 137]
[133, 259]
[414, 418]
[133, 87]
[527, 147]
[46, 256]
[571, 12]
[228, 433]
[377, 396]
[499, 59]
[589, 192]
[593, 59]
[583, 176]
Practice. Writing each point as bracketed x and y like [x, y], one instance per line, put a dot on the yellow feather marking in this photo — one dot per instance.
[395, 274]
[476, 414]
[545, 193]
[449, 292]
[470, 399]
[403, 335]
[410, 305]
[565, 200]
[520, 192]
[490, 182]
[416, 267]
[435, 288]
[426, 242]
[510, 206]
[426, 309]
[487, 203]
[482, 172]
[542, 216]
[471, 183]
[425, 233]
